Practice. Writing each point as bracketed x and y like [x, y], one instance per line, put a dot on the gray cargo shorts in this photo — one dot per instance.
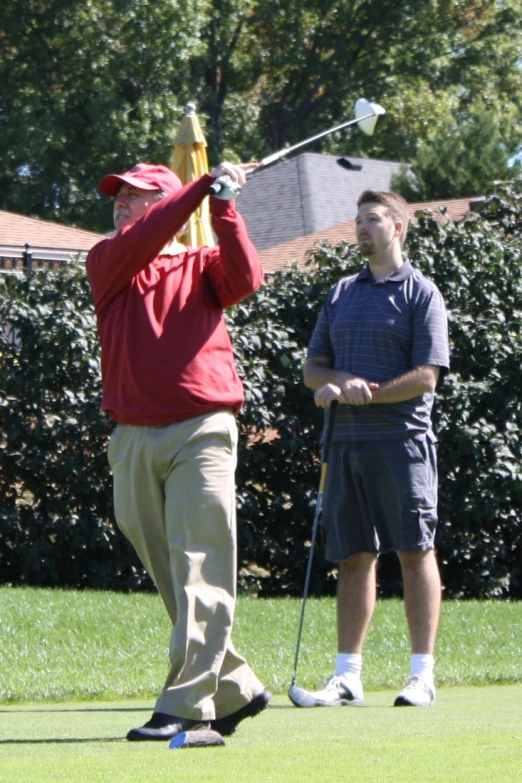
[380, 496]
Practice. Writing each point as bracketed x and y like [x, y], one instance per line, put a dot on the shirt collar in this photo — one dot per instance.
[400, 274]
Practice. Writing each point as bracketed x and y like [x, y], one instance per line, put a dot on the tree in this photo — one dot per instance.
[313, 60]
[91, 87]
[459, 160]
[87, 88]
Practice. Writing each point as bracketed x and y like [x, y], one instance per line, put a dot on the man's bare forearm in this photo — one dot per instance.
[420, 380]
[351, 390]
[317, 374]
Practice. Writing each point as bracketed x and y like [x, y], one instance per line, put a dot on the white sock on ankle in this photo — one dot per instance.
[348, 665]
[423, 666]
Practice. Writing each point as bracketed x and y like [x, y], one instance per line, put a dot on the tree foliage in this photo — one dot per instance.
[88, 88]
[465, 159]
[55, 489]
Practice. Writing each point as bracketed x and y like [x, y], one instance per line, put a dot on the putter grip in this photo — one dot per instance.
[329, 429]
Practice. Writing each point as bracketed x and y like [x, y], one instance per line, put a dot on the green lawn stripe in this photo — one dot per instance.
[65, 644]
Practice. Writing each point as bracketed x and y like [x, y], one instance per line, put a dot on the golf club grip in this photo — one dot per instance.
[329, 430]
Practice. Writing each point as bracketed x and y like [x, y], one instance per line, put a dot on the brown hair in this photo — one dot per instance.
[395, 204]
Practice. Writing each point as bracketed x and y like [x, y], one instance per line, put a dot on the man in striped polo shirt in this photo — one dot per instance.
[378, 348]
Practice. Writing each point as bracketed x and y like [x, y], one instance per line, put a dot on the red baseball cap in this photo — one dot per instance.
[146, 176]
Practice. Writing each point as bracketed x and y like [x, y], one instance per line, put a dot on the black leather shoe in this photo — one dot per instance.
[164, 727]
[228, 725]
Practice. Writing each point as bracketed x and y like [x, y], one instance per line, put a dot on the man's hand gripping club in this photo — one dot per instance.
[353, 391]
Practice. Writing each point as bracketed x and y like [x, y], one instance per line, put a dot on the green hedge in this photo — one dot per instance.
[55, 488]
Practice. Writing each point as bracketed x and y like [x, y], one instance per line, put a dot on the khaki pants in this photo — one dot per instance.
[174, 498]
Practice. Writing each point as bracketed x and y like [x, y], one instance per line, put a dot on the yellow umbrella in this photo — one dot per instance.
[189, 162]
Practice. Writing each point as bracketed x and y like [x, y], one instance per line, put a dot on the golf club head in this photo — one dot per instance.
[362, 109]
[299, 697]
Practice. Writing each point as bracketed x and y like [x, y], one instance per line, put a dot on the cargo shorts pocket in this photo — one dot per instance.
[419, 520]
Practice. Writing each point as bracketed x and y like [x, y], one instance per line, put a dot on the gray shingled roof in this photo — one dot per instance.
[306, 194]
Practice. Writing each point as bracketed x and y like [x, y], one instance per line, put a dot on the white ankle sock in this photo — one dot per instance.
[348, 665]
[423, 666]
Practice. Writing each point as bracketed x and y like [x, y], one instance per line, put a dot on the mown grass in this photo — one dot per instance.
[471, 735]
[90, 647]
[57, 644]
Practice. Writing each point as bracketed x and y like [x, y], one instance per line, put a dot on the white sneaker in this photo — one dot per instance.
[416, 693]
[337, 692]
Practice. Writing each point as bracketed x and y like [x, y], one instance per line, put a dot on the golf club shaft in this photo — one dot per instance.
[225, 188]
[318, 507]
[281, 154]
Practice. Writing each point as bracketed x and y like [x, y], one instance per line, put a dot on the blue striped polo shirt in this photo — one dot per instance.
[378, 330]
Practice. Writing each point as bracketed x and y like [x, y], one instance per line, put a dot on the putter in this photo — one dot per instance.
[366, 116]
[324, 467]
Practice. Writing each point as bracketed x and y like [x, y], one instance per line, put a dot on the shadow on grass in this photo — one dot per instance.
[51, 741]
[28, 710]
[11, 710]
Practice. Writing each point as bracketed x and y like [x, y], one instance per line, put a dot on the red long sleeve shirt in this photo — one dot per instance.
[166, 353]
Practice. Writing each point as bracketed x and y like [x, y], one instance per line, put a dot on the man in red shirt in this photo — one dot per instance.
[171, 385]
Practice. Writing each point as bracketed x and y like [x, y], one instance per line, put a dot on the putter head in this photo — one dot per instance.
[363, 108]
[299, 697]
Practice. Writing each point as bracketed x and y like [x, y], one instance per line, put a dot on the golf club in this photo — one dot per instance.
[366, 116]
[318, 508]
